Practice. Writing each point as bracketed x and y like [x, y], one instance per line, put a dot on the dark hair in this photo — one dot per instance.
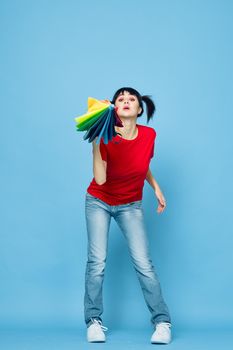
[150, 106]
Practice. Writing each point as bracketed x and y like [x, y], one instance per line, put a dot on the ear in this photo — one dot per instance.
[139, 111]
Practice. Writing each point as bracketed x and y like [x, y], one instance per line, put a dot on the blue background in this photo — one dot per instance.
[54, 54]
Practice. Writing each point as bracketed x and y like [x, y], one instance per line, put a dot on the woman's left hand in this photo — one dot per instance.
[161, 200]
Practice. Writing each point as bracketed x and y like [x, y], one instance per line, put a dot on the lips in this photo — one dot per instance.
[126, 108]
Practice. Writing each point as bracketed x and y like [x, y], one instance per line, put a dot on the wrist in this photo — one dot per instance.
[94, 144]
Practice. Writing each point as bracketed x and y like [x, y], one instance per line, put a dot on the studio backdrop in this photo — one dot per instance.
[54, 54]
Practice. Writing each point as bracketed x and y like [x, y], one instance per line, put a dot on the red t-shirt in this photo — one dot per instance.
[127, 165]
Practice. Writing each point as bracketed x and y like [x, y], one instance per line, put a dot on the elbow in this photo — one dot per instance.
[100, 181]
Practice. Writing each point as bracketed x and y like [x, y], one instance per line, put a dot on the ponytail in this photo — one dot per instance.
[150, 107]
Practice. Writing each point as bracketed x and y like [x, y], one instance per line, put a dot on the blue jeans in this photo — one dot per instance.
[130, 219]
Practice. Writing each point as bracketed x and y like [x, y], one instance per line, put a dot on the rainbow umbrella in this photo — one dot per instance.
[100, 119]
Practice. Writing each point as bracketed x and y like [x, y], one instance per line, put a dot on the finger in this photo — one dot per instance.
[159, 209]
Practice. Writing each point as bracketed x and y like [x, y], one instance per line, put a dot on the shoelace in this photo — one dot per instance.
[100, 324]
[160, 326]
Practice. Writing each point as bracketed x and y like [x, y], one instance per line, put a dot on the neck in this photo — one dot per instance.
[129, 128]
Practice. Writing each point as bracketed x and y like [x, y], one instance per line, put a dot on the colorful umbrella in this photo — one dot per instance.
[100, 119]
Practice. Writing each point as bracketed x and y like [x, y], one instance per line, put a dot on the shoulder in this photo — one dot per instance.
[147, 130]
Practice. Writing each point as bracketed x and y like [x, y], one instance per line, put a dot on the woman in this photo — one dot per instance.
[120, 168]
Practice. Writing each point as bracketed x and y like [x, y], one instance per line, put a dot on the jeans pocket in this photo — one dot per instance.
[90, 197]
[136, 204]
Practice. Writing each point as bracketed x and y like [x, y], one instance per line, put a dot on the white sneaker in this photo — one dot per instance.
[162, 333]
[95, 331]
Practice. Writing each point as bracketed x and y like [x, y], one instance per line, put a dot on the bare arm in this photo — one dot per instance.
[151, 180]
[99, 165]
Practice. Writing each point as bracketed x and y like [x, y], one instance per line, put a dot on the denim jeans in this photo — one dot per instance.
[130, 220]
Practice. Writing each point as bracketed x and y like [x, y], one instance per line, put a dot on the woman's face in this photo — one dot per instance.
[128, 105]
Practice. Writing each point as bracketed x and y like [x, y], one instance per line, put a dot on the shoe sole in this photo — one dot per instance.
[159, 342]
[96, 341]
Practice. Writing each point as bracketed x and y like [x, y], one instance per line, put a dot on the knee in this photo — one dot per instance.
[144, 266]
[96, 266]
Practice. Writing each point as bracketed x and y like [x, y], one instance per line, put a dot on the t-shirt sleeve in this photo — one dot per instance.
[103, 150]
[153, 146]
